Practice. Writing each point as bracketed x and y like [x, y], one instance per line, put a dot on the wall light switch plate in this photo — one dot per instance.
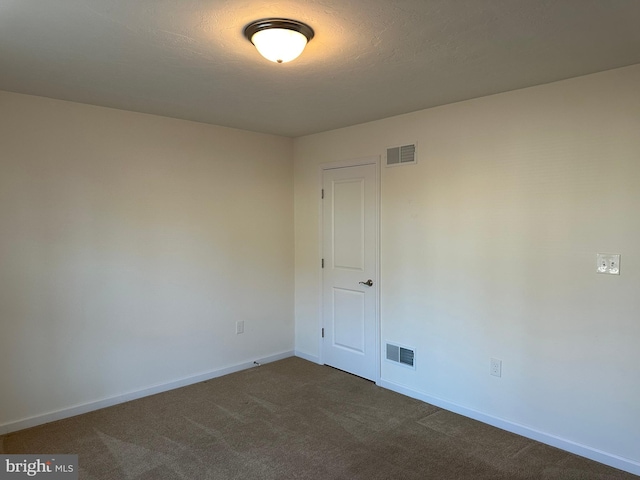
[608, 263]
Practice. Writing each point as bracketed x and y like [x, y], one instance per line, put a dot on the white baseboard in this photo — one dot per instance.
[306, 356]
[126, 397]
[612, 460]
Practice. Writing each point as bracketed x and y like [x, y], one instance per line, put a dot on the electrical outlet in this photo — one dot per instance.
[496, 367]
[239, 327]
[608, 263]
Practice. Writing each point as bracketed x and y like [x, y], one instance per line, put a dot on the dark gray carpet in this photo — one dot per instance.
[294, 420]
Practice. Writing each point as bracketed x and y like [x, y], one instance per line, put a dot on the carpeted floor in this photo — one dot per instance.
[294, 420]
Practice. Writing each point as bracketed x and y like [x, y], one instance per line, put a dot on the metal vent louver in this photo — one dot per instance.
[402, 355]
[401, 155]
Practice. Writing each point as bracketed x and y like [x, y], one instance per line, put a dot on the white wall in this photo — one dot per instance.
[488, 249]
[130, 245]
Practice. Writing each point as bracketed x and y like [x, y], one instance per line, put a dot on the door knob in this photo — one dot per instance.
[368, 283]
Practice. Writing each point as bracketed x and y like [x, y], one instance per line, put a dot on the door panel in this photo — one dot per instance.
[348, 320]
[350, 256]
[348, 224]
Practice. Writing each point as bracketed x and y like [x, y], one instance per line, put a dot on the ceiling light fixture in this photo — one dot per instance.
[279, 39]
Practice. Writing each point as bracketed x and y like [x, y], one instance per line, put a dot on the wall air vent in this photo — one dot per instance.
[402, 355]
[401, 155]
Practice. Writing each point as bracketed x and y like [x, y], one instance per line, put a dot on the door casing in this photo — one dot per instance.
[342, 164]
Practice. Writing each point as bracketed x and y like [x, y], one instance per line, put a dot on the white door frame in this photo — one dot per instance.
[330, 166]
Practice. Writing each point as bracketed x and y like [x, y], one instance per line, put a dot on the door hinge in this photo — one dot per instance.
[323, 333]
[322, 194]
[322, 263]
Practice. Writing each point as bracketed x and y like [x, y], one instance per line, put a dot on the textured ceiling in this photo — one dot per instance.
[370, 59]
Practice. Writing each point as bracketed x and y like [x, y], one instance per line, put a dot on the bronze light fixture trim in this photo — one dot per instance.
[279, 39]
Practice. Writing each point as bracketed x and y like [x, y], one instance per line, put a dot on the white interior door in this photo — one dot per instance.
[350, 215]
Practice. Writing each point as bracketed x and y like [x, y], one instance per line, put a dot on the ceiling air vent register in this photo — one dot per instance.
[401, 155]
[402, 355]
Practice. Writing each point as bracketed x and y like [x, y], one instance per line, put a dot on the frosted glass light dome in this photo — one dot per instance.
[279, 44]
[279, 40]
